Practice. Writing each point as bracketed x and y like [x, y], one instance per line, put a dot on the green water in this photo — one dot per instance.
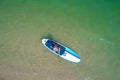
[91, 28]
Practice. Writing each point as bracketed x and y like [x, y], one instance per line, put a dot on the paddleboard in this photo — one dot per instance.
[64, 52]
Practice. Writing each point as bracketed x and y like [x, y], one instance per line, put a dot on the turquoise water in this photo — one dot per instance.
[90, 28]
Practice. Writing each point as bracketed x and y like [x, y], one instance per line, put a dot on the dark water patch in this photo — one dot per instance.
[47, 36]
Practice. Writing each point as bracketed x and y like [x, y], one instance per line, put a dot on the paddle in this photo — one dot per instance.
[59, 56]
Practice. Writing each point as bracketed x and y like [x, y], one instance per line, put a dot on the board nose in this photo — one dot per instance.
[44, 41]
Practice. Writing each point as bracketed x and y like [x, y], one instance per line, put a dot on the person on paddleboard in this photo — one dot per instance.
[56, 48]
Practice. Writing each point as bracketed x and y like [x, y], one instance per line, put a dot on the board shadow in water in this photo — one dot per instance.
[50, 36]
[47, 36]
